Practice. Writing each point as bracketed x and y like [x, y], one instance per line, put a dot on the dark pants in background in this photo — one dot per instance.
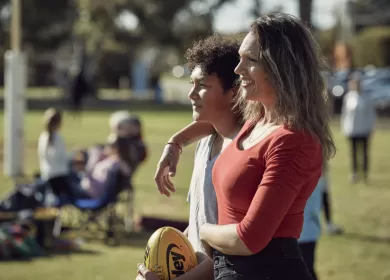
[359, 145]
[68, 186]
[62, 185]
[308, 250]
[280, 260]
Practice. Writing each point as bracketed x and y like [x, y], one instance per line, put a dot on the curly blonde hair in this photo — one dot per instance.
[292, 63]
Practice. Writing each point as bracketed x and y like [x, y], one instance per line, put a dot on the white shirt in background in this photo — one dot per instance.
[358, 115]
[53, 160]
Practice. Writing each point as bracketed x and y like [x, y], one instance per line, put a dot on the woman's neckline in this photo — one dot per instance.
[249, 130]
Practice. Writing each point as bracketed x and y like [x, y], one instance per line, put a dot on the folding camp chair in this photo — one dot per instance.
[127, 199]
[129, 216]
[100, 212]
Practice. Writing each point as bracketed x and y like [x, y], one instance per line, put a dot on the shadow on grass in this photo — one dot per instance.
[105, 105]
[47, 254]
[68, 252]
[367, 238]
[378, 183]
[135, 239]
[131, 239]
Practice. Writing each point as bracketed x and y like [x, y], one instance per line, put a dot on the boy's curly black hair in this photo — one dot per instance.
[216, 55]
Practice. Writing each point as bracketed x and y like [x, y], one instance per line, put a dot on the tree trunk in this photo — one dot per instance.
[305, 7]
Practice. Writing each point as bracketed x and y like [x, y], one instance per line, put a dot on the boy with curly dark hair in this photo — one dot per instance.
[214, 88]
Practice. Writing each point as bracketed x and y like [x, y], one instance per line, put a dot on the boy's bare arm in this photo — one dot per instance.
[166, 167]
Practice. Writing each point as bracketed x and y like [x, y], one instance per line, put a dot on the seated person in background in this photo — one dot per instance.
[52, 155]
[51, 147]
[120, 124]
[91, 170]
[128, 129]
[102, 170]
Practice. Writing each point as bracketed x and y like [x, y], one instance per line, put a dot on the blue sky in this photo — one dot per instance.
[323, 13]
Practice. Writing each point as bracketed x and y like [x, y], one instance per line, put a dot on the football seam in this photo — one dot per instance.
[158, 247]
[189, 248]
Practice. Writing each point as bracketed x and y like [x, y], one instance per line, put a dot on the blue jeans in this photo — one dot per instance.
[78, 192]
[280, 260]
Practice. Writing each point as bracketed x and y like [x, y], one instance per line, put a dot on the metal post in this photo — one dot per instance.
[14, 100]
[15, 26]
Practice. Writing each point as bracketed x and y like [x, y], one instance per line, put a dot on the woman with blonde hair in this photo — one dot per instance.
[53, 161]
[265, 176]
[53, 158]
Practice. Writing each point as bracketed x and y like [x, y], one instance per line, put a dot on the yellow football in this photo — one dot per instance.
[169, 253]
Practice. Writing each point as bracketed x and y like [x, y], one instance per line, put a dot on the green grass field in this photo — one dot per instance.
[55, 93]
[360, 254]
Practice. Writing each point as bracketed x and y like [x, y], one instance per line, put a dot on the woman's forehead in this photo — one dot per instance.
[249, 45]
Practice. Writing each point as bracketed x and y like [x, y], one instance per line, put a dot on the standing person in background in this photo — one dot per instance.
[79, 88]
[311, 230]
[358, 118]
[331, 228]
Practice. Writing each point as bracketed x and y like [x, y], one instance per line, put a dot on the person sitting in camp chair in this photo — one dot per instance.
[101, 173]
[128, 129]
[102, 169]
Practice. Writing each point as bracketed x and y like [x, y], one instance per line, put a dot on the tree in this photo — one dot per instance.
[370, 13]
[256, 8]
[92, 25]
[46, 24]
[172, 22]
[305, 9]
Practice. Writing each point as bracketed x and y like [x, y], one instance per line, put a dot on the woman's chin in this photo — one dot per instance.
[248, 93]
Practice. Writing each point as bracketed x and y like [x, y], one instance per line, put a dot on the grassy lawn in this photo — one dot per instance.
[55, 93]
[362, 253]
